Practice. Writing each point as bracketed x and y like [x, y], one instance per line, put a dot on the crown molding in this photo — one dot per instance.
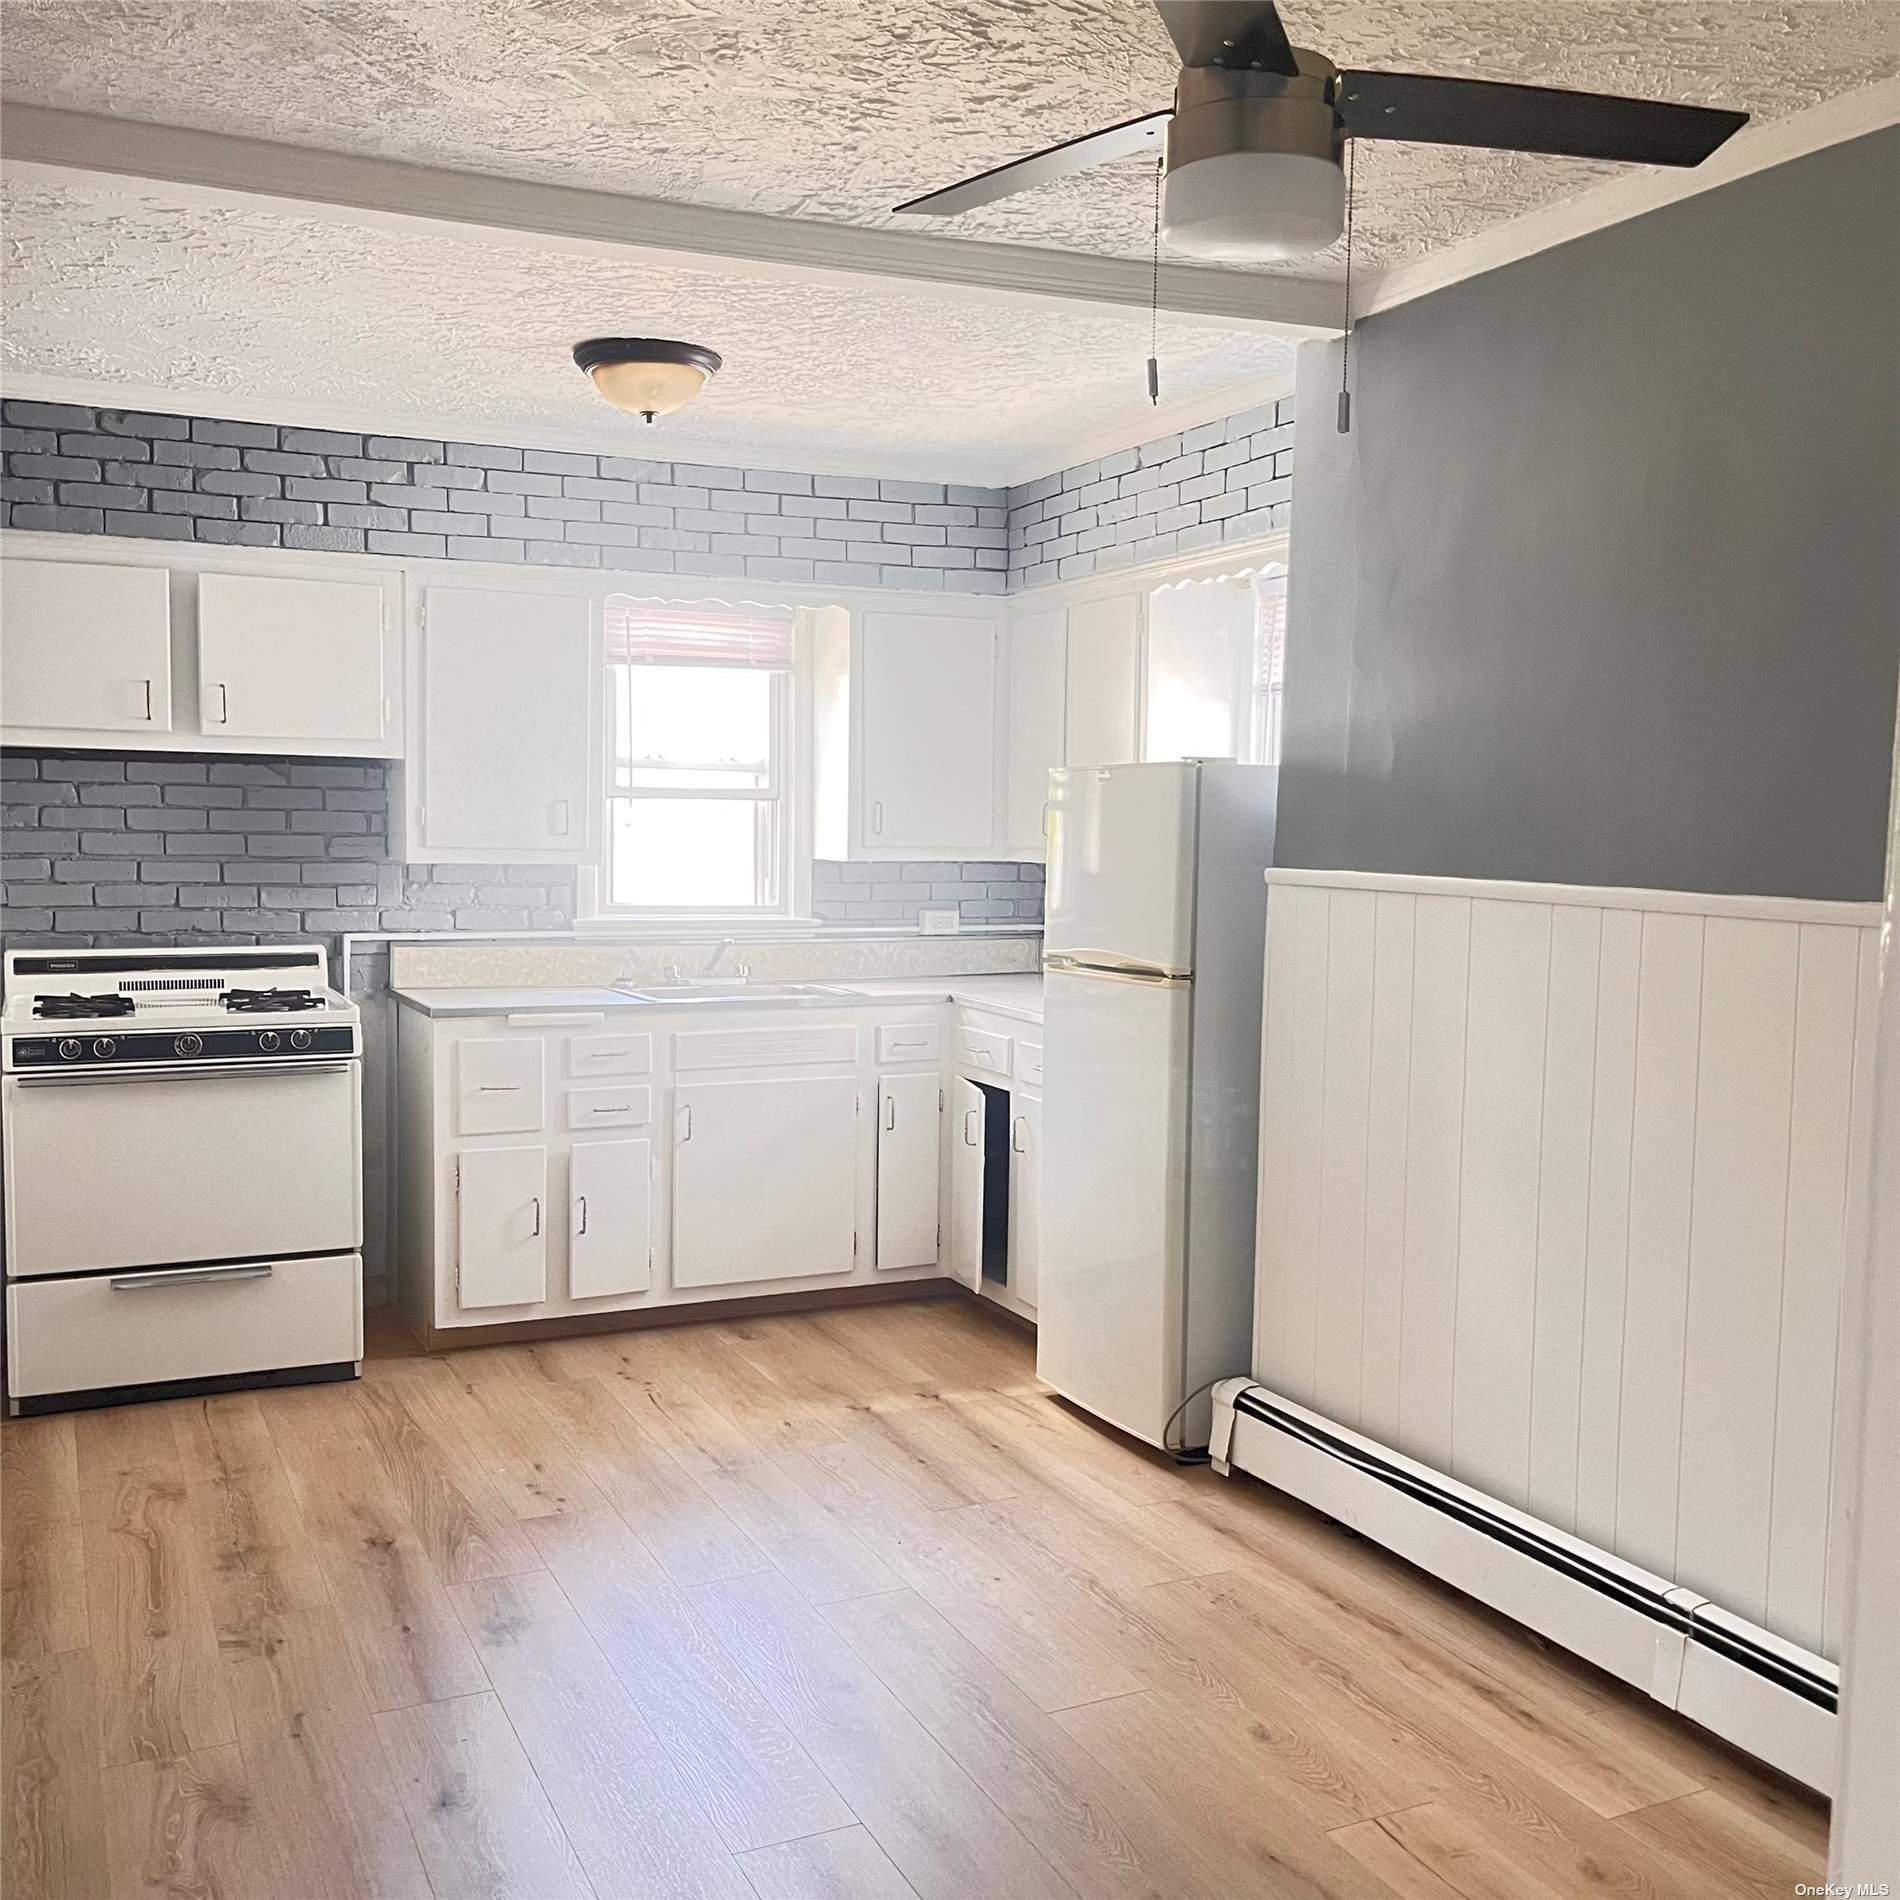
[566, 219]
[1753, 149]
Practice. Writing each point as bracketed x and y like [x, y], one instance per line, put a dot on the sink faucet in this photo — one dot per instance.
[719, 950]
[673, 974]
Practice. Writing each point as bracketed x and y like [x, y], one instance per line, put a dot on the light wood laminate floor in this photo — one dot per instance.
[818, 1607]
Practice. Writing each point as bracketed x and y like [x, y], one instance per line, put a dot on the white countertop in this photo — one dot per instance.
[1019, 996]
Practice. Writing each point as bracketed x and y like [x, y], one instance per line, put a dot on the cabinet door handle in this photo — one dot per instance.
[890, 1111]
[537, 1217]
[684, 1120]
[558, 817]
[877, 817]
[224, 703]
[969, 1128]
[1015, 1146]
[581, 1202]
[147, 684]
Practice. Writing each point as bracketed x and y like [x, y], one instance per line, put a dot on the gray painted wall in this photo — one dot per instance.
[1604, 585]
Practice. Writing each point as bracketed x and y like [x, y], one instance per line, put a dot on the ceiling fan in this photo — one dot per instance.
[1255, 137]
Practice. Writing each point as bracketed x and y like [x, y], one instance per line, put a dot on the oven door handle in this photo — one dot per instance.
[204, 1072]
[186, 1276]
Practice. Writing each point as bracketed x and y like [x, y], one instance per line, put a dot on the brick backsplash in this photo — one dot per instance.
[1214, 486]
[983, 893]
[80, 470]
[173, 848]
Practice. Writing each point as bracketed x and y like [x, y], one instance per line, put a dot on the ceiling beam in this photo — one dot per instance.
[607, 224]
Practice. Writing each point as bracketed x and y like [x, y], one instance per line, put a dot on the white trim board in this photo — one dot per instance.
[564, 218]
[1777, 910]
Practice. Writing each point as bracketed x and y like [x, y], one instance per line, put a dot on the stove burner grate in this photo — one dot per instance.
[245, 1002]
[61, 1008]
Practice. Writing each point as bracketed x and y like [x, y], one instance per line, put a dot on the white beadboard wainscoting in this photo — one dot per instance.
[1556, 1185]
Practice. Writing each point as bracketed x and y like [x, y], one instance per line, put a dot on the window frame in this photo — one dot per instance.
[790, 763]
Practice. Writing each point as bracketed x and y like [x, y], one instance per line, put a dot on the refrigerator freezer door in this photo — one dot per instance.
[1114, 1197]
[1121, 865]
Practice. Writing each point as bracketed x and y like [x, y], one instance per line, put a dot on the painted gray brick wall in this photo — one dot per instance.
[1203, 488]
[983, 893]
[175, 849]
[79, 470]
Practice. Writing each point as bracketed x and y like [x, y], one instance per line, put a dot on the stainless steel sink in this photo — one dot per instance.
[736, 992]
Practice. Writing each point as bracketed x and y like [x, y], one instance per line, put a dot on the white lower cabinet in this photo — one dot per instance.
[610, 1218]
[764, 1179]
[909, 1169]
[968, 1110]
[501, 1226]
[1025, 1196]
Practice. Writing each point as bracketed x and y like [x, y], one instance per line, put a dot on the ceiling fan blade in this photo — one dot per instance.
[1043, 168]
[1504, 118]
[1244, 33]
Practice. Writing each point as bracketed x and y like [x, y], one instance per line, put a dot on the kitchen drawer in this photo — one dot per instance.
[980, 1049]
[1029, 1064]
[592, 1056]
[143, 1328]
[764, 1048]
[610, 1107]
[498, 1085]
[909, 1042]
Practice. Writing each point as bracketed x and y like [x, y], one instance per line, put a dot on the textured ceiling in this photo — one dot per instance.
[835, 109]
[252, 311]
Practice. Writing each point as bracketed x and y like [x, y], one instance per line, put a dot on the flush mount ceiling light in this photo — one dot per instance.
[646, 375]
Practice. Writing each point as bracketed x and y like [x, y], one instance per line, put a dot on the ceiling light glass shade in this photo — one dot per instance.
[647, 376]
[1253, 206]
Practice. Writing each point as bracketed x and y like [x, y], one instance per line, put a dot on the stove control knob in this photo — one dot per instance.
[300, 1039]
[269, 1040]
[189, 1045]
[70, 1048]
[105, 1047]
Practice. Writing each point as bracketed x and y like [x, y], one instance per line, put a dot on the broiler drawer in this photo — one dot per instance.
[144, 1328]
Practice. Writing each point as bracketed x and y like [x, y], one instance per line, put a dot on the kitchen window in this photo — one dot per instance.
[701, 818]
[1269, 673]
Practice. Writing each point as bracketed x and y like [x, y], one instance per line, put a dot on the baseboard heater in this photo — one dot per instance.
[1768, 1696]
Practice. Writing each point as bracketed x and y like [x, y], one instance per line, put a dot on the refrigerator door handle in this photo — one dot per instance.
[1118, 972]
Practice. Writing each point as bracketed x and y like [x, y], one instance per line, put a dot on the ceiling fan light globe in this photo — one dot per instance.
[1253, 207]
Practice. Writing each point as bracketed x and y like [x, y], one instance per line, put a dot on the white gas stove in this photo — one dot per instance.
[182, 1142]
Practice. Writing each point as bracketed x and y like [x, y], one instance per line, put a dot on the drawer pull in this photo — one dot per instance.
[499, 1088]
[611, 1108]
[185, 1276]
[909, 1045]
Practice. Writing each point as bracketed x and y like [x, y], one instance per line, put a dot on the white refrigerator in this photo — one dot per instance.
[1152, 956]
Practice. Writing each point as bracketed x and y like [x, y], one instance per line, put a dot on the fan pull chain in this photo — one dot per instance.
[1345, 346]
[1154, 298]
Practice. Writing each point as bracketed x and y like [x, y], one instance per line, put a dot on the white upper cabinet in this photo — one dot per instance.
[286, 658]
[1104, 681]
[87, 648]
[927, 733]
[498, 758]
[1038, 704]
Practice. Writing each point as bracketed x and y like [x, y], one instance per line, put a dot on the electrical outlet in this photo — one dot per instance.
[939, 923]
